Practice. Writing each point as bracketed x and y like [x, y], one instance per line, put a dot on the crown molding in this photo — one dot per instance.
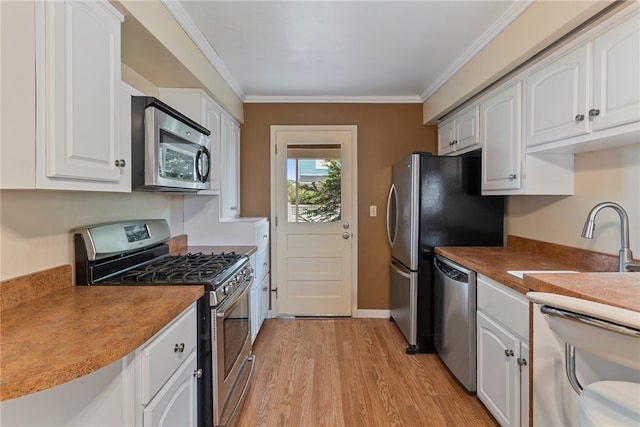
[183, 19]
[334, 99]
[505, 20]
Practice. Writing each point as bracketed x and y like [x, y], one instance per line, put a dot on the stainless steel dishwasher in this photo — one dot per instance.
[455, 319]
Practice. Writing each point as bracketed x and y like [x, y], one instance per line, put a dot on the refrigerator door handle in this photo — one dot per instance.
[393, 196]
[400, 269]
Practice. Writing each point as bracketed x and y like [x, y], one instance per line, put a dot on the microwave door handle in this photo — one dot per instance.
[202, 177]
[207, 155]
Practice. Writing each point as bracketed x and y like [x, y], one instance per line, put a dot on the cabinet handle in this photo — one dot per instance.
[508, 353]
[512, 176]
[580, 117]
[522, 361]
[233, 208]
[594, 112]
[178, 348]
[120, 163]
[198, 373]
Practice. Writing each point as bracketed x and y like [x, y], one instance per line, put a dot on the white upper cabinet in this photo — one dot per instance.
[229, 169]
[592, 92]
[78, 87]
[65, 58]
[460, 134]
[500, 130]
[557, 99]
[616, 76]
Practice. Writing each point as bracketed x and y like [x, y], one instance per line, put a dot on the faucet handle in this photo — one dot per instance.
[632, 267]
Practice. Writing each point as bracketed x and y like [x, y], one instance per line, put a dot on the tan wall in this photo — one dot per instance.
[609, 175]
[386, 133]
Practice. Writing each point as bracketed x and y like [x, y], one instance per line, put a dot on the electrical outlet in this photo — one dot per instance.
[373, 210]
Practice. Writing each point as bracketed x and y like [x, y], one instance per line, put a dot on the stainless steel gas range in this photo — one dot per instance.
[137, 253]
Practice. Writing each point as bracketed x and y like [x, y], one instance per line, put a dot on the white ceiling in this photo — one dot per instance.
[398, 51]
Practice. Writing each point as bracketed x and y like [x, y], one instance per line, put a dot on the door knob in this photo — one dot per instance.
[345, 225]
[346, 235]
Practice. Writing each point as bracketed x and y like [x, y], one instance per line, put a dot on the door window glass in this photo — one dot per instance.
[314, 183]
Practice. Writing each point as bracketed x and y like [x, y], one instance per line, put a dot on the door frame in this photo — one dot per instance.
[354, 195]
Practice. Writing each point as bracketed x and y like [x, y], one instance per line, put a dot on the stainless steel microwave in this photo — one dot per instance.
[169, 151]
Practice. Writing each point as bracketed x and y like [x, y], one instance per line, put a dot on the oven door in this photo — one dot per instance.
[233, 362]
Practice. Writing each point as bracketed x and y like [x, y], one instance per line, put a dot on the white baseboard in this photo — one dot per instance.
[373, 314]
[361, 314]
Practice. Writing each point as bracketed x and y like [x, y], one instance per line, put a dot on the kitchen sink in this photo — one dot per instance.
[520, 273]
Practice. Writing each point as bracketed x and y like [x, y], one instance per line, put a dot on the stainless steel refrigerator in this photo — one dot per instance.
[433, 201]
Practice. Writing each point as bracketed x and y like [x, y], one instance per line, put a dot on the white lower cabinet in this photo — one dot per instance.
[259, 300]
[503, 352]
[167, 375]
[176, 402]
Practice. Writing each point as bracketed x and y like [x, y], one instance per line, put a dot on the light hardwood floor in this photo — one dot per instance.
[350, 372]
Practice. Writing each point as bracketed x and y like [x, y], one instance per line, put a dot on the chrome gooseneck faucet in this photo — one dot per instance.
[625, 262]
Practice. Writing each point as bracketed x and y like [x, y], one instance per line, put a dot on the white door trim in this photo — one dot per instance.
[354, 194]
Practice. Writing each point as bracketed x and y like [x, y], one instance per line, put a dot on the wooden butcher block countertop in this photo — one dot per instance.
[597, 279]
[52, 333]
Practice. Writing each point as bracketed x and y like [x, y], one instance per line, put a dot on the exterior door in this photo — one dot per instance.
[313, 221]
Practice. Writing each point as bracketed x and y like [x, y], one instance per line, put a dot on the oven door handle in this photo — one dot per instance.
[235, 297]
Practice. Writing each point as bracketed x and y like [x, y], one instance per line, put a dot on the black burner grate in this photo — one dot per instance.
[193, 268]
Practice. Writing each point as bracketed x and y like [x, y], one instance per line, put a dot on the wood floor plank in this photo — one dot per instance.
[351, 373]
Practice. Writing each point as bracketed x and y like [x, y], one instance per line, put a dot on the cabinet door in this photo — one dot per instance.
[254, 309]
[523, 362]
[500, 137]
[176, 404]
[498, 372]
[557, 104]
[466, 129]
[229, 169]
[79, 91]
[616, 75]
[445, 137]
[212, 121]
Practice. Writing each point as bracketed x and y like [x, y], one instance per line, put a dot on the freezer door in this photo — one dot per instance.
[406, 196]
[403, 301]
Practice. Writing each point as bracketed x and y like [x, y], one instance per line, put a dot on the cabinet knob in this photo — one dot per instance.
[522, 361]
[198, 373]
[265, 236]
[580, 117]
[455, 142]
[178, 348]
[265, 289]
[508, 353]
[594, 112]
[120, 163]
[512, 176]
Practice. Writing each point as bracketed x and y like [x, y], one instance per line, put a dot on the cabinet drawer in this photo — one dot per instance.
[262, 264]
[262, 235]
[504, 304]
[166, 351]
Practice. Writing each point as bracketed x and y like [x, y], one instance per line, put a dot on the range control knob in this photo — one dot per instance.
[246, 271]
[239, 278]
[228, 288]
